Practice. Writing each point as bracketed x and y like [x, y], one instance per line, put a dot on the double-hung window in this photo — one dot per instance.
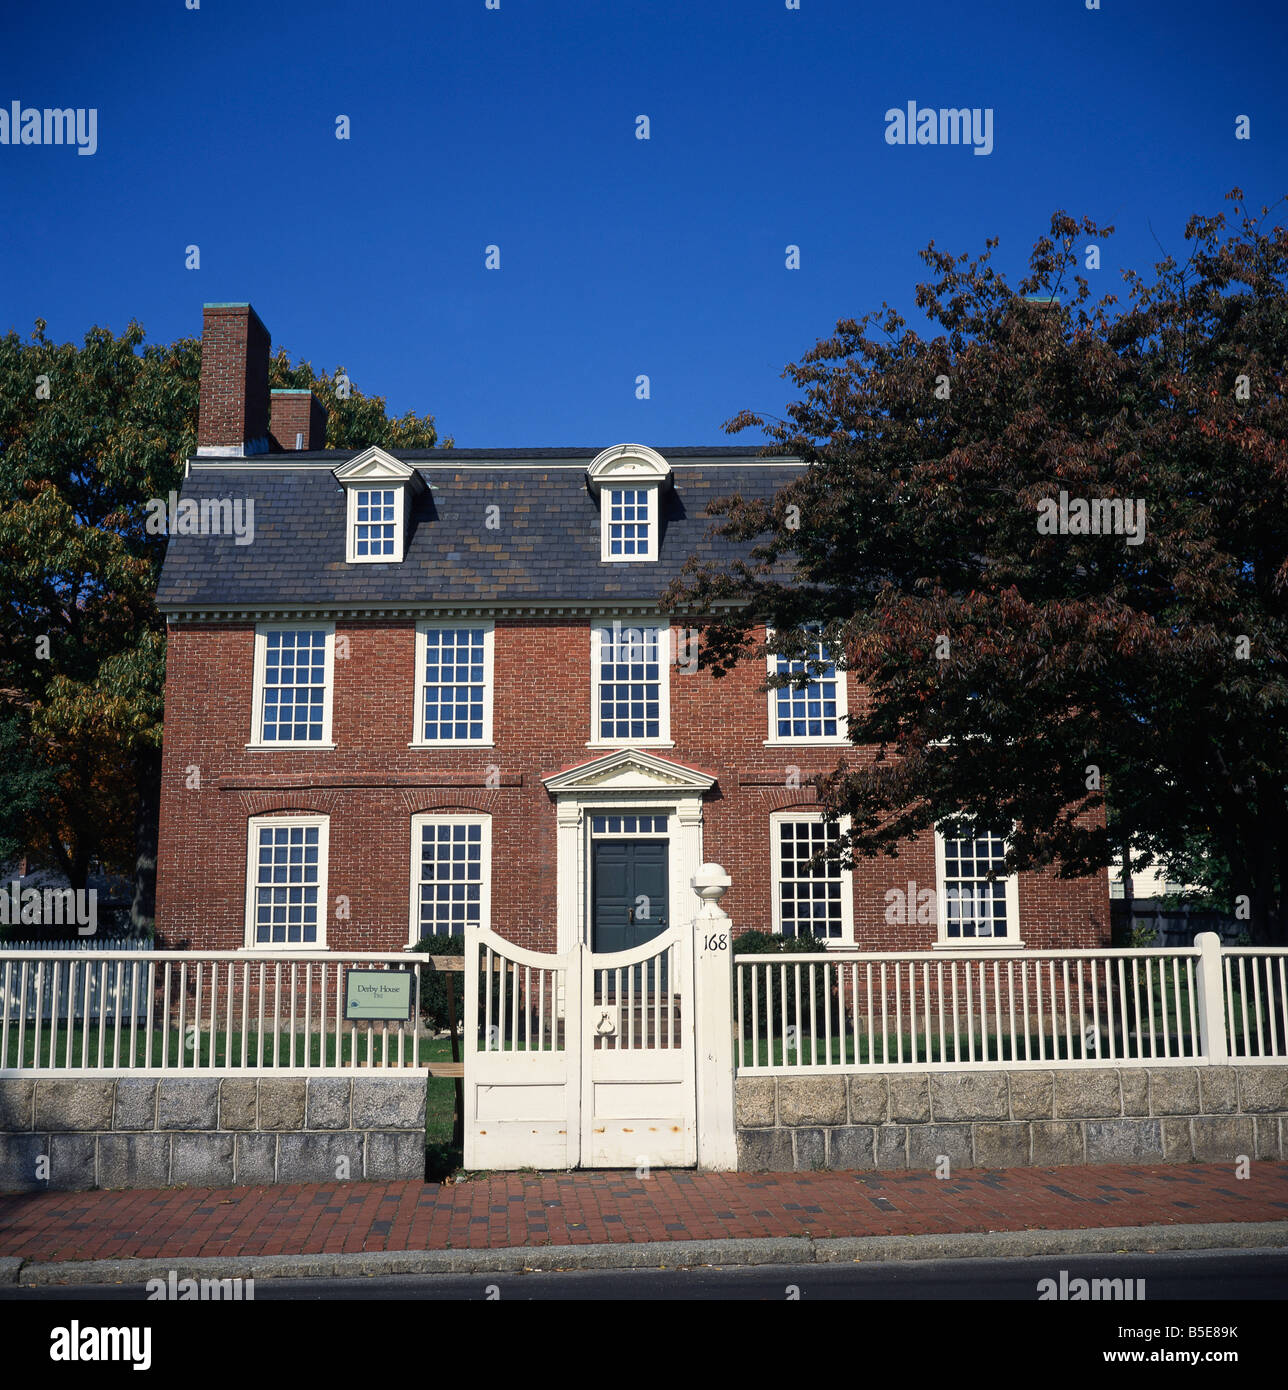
[630, 683]
[451, 871]
[453, 684]
[629, 526]
[814, 710]
[974, 910]
[375, 522]
[811, 897]
[286, 882]
[293, 680]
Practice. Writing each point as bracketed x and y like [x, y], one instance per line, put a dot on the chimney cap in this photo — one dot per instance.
[291, 391]
[235, 304]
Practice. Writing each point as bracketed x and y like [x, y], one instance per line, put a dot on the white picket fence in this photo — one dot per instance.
[225, 1013]
[850, 1010]
[90, 989]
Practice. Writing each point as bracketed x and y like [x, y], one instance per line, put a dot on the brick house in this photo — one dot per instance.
[433, 687]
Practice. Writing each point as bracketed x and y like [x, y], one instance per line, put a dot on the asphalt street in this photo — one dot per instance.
[1206, 1275]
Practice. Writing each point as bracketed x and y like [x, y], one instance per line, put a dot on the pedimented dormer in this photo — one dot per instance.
[378, 496]
[628, 480]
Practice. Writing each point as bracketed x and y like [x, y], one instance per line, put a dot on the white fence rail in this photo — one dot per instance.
[227, 1013]
[845, 1011]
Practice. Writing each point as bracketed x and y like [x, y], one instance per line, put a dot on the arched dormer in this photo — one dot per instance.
[628, 480]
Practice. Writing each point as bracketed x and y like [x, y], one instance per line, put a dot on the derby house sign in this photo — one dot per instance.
[379, 994]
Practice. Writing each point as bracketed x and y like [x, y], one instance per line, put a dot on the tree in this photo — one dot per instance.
[1014, 665]
[354, 421]
[88, 434]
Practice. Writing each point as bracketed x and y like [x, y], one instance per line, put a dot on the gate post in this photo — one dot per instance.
[713, 1022]
[1211, 997]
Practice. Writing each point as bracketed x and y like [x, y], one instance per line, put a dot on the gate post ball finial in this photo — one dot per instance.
[710, 882]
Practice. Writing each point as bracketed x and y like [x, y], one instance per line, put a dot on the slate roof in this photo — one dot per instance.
[546, 551]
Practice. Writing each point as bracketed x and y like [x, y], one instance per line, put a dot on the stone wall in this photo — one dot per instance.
[208, 1132]
[1011, 1119]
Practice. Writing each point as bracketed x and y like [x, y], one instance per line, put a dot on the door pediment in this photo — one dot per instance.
[629, 770]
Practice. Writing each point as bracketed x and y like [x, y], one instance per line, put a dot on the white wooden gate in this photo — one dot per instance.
[580, 1059]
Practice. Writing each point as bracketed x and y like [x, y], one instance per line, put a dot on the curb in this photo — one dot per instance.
[670, 1254]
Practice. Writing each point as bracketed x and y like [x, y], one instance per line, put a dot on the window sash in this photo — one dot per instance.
[293, 694]
[810, 901]
[812, 711]
[630, 682]
[974, 908]
[451, 888]
[286, 883]
[375, 522]
[629, 519]
[454, 674]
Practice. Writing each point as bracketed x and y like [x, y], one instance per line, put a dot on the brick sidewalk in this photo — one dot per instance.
[535, 1209]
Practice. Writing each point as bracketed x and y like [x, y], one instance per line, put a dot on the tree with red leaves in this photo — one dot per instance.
[1051, 543]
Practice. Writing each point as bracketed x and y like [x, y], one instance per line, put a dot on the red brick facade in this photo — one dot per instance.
[372, 783]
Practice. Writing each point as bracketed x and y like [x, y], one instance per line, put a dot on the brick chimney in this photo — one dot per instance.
[233, 413]
[298, 421]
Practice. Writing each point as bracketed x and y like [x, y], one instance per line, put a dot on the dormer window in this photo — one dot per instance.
[375, 523]
[378, 493]
[629, 480]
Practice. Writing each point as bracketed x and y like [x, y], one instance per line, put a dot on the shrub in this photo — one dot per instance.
[433, 983]
[764, 943]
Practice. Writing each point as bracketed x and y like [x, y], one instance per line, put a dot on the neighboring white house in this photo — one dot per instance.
[1150, 881]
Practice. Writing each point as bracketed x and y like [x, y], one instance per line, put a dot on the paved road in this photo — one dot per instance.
[1225, 1275]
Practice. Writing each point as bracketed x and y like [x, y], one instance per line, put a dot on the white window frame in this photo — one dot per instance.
[418, 739]
[262, 630]
[777, 818]
[652, 493]
[944, 942]
[842, 709]
[253, 826]
[663, 738]
[400, 492]
[423, 818]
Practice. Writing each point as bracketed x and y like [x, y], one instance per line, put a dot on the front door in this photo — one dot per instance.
[628, 893]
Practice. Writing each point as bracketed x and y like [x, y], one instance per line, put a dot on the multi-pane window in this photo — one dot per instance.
[455, 684]
[628, 522]
[287, 882]
[293, 698]
[814, 710]
[374, 522]
[628, 825]
[974, 907]
[449, 865]
[812, 897]
[630, 683]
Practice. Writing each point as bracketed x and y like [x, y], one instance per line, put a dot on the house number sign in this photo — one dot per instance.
[376, 994]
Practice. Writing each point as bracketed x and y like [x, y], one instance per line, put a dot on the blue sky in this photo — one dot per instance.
[619, 257]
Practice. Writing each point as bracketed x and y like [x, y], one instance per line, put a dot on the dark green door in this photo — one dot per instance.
[628, 893]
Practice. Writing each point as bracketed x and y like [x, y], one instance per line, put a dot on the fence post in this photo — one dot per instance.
[713, 1022]
[1211, 997]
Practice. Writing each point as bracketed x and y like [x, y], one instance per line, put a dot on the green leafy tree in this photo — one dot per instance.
[88, 434]
[354, 420]
[1009, 670]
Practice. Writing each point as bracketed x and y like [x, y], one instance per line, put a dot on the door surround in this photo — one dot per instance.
[633, 781]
